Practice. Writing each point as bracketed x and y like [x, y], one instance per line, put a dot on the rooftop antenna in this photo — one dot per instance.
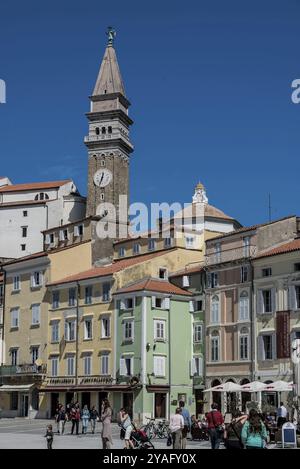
[270, 208]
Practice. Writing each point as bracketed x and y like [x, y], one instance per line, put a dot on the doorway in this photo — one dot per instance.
[128, 402]
[54, 402]
[24, 405]
[199, 397]
[69, 399]
[101, 397]
[160, 405]
[86, 399]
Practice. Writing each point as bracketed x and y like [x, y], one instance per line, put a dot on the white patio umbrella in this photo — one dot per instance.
[279, 386]
[255, 386]
[226, 387]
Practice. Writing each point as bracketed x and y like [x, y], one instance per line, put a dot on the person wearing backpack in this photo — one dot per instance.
[215, 426]
[232, 434]
[254, 433]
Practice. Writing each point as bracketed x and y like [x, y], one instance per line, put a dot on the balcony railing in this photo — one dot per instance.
[90, 380]
[10, 370]
[227, 255]
[60, 381]
[82, 380]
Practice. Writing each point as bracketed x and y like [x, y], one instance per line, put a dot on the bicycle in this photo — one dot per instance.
[162, 429]
[150, 428]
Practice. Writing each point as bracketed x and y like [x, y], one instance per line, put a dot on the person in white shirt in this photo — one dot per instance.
[281, 415]
[176, 427]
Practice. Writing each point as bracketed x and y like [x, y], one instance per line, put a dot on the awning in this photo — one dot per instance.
[16, 388]
[158, 388]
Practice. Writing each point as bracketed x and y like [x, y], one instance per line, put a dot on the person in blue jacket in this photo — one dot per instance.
[254, 433]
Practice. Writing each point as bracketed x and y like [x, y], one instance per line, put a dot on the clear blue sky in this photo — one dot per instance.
[209, 82]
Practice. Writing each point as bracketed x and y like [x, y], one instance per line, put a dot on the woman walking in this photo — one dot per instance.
[176, 427]
[106, 425]
[254, 433]
[94, 416]
[61, 419]
[85, 417]
[128, 427]
[232, 434]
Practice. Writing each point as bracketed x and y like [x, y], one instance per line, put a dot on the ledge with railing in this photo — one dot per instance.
[25, 369]
[228, 255]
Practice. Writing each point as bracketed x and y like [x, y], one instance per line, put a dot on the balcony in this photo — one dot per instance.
[12, 370]
[228, 255]
[92, 380]
[60, 381]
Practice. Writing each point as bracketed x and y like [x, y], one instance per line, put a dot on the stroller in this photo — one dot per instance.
[140, 440]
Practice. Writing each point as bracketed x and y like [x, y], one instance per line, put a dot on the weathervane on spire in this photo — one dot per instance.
[111, 34]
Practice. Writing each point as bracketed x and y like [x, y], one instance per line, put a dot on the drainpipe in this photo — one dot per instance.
[252, 324]
[3, 322]
[170, 361]
[77, 338]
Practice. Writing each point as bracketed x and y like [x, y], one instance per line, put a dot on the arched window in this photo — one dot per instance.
[103, 130]
[109, 129]
[215, 346]
[42, 196]
[244, 306]
[244, 344]
[215, 309]
[97, 130]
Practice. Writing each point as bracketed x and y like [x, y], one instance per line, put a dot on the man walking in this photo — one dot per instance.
[176, 427]
[187, 424]
[215, 426]
[281, 415]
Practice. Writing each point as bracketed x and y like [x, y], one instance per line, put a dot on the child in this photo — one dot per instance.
[49, 436]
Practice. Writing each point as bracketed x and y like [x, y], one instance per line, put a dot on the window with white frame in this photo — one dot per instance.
[215, 346]
[106, 287]
[163, 273]
[54, 366]
[266, 301]
[244, 274]
[16, 283]
[122, 252]
[186, 281]
[197, 333]
[189, 242]
[215, 309]
[151, 244]
[55, 299]
[87, 365]
[136, 248]
[266, 272]
[244, 306]
[88, 295]
[105, 327]
[168, 242]
[128, 330]
[267, 347]
[244, 344]
[159, 366]
[15, 313]
[55, 332]
[160, 303]
[126, 366]
[197, 366]
[129, 303]
[104, 363]
[14, 356]
[36, 279]
[36, 314]
[72, 296]
[88, 329]
[78, 230]
[159, 330]
[34, 354]
[70, 365]
[70, 330]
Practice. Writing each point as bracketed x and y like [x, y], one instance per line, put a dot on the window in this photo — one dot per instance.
[104, 364]
[25, 213]
[129, 303]
[72, 296]
[197, 366]
[244, 344]
[267, 347]
[23, 247]
[122, 252]
[214, 279]
[42, 196]
[197, 333]
[24, 231]
[163, 273]
[128, 330]
[159, 330]
[215, 307]
[36, 279]
[109, 129]
[198, 305]
[106, 291]
[55, 332]
[159, 366]
[14, 400]
[88, 295]
[168, 242]
[297, 290]
[297, 267]
[70, 365]
[151, 244]
[267, 298]
[136, 248]
[218, 252]
[88, 329]
[103, 130]
[1, 294]
[246, 246]
[54, 366]
[126, 366]
[186, 281]
[70, 331]
[189, 242]
[34, 354]
[244, 306]
[158, 303]
[16, 283]
[87, 365]
[266, 301]
[266, 272]
[55, 299]
[15, 317]
[78, 230]
[14, 356]
[105, 328]
[215, 345]
[294, 297]
[244, 274]
[97, 130]
[36, 313]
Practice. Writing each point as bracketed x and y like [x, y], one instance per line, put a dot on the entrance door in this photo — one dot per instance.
[160, 405]
[54, 402]
[199, 402]
[86, 399]
[25, 405]
[101, 397]
[69, 399]
[128, 402]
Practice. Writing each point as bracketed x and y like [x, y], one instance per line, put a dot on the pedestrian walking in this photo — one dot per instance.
[61, 419]
[106, 425]
[215, 426]
[94, 417]
[233, 431]
[187, 423]
[85, 417]
[49, 436]
[57, 410]
[176, 427]
[127, 427]
[75, 418]
[281, 415]
[254, 433]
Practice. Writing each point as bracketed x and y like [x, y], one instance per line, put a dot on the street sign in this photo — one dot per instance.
[289, 437]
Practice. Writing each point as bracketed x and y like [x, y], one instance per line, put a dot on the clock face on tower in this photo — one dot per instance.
[102, 177]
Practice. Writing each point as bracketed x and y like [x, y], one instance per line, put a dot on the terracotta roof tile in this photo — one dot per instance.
[115, 266]
[187, 271]
[154, 285]
[26, 258]
[34, 186]
[283, 249]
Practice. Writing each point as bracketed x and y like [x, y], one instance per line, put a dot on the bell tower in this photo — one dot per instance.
[108, 144]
